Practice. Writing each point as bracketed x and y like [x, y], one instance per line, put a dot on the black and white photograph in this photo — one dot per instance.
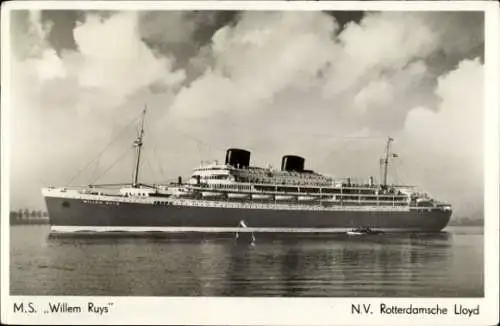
[344, 155]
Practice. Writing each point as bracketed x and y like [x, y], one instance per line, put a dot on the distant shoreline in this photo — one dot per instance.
[25, 216]
[466, 222]
[30, 222]
[46, 221]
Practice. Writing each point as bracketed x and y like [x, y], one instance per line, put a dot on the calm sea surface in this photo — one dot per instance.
[448, 264]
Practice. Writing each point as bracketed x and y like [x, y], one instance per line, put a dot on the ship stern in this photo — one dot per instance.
[444, 213]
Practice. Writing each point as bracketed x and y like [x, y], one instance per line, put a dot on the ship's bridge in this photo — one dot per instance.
[212, 173]
[226, 174]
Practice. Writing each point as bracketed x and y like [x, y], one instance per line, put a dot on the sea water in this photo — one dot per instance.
[446, 264]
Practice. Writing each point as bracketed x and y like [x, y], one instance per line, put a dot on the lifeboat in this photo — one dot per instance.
[261, 196]
[211, 194]
[237, 196]
[424, 202]
[305, 198]
[283, 197]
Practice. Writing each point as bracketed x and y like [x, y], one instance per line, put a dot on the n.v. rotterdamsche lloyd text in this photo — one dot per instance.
[416, 309]
[437, 309]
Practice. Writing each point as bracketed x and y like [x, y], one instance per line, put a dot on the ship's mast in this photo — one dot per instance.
[386, 160]
[138, 145]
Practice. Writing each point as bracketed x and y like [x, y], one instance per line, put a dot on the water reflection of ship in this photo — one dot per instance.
[276, 268]
[389, 265]
[239, 272]
[372, 267]
[395, 265]
[293, 271]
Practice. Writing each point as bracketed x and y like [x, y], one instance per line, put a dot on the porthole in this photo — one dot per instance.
[65, 204]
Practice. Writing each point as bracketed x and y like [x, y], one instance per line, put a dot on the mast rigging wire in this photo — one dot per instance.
[112, 165]
[154, 147]
[105, 149]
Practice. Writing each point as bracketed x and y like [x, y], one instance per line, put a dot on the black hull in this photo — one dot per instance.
[75, 214]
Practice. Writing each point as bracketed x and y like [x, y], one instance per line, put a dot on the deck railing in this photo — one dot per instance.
[343, 196]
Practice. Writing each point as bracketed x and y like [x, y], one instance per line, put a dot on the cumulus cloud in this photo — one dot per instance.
[262, 55]
[376, 70]
[448, 143]
[273, 82]
[381, 42]
[64, 105]
[181, 34]
[459, 117]
[118, 65]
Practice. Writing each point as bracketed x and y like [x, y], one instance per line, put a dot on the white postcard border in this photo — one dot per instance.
[268, 311]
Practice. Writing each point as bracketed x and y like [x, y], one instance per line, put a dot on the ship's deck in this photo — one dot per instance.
[346, 205]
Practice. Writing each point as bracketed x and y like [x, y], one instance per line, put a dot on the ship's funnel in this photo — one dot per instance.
[292, 163]
[239, 158]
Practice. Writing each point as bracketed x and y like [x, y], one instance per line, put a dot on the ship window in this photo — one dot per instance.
[65, 204]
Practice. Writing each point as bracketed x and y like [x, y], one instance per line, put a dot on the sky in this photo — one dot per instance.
[328, 86]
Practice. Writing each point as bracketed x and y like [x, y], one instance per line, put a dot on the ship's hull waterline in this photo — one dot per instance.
[80, 215]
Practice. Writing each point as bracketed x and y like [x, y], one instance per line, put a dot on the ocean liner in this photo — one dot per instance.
[238, 197]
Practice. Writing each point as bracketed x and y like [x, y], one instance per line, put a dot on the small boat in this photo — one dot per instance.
[306, 198]
[363, 231]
